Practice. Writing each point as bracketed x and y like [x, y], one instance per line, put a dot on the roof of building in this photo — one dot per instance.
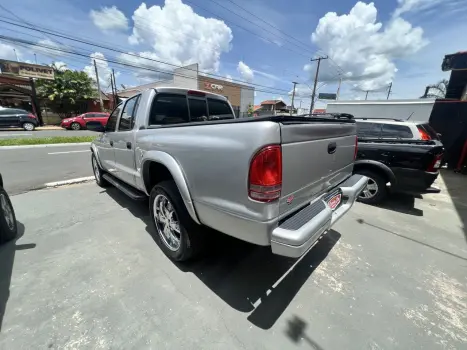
[272, 102]
[256, 107]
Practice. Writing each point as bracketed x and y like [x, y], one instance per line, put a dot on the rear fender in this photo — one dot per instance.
[177, 174]
[373, 164]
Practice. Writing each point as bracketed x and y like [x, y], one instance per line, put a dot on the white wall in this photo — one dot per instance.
[187, 78]
[247, 97]
[418, 110]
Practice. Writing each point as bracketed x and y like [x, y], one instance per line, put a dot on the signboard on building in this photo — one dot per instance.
[213, 87]
[26, 70]
[326, 96]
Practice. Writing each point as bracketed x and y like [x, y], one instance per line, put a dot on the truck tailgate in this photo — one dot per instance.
[316, 156]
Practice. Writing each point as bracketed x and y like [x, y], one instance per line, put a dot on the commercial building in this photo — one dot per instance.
[240, 96]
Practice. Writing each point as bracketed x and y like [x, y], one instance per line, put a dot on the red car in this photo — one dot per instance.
[79, 122]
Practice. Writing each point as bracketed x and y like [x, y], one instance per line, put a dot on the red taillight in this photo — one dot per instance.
[423, 134]
[356, 148]
[436, 163]
[196, 93]
[265, 179]
[32, 116]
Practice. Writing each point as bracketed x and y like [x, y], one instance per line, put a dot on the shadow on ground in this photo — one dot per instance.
[247, 277]
[401, 203]
[456, 186]
[7, 257]
[296, 332]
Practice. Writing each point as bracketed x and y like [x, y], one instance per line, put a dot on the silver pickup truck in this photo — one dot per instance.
[274, 181]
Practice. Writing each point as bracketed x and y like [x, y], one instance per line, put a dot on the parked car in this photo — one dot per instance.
[8, 226]
[79, 122]
[275, 181]
[13, 117]
[397, 156]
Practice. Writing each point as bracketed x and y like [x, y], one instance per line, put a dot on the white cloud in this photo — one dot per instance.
[301, 91]
[7, 52]
[50, 49]
[61, 66]
[415, 6]
[103, 70]
[109, 18]
[245, 72]
[228, 77]
[362, 47]
[178, 35]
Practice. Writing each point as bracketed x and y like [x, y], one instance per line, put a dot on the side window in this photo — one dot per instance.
[112, 122]
[219, 110]
[89, 115]
[128, 114]
[198, 111]
[396, 131]
[370, 130]
[169, 109]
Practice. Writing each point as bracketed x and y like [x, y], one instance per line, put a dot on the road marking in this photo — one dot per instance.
[69, 182]
[86, 150]
[13, 135]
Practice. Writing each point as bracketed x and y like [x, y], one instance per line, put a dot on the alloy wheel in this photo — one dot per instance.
[75, 126]
[370, 190]
[167, 224]
[7, 211]
[28, 126]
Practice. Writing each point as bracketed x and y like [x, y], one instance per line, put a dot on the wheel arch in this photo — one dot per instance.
[377, 167]
[157, 166]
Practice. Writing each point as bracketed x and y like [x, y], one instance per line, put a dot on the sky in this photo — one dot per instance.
[269, 43]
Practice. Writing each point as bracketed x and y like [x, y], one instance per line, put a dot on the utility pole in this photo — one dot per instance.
[293, 95]
[338, 89]
[316, 81]
[366, 96]
[389, 92]
[98, 86]
[115, 85]
[16, 55]
[35, 58]
[113, 91]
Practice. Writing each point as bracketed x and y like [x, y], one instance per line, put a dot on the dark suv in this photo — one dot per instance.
[12, 117]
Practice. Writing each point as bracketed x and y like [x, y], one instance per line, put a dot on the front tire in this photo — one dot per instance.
[98, 172]
[179, 237]
[75, 126]
[29, 126]
[8, 226]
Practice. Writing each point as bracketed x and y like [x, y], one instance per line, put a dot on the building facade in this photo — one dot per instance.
[239, 96]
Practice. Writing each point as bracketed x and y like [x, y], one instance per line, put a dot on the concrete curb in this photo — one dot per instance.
[69, 182]
[46, 145]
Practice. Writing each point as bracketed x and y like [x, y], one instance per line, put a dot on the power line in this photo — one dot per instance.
[26, 42]
[56, 33]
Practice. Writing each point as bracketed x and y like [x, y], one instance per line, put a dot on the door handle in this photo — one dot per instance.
[332, 147]
[128, 145]
[111, 143]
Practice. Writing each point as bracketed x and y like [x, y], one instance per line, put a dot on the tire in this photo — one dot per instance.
[75, 126]
[379, 190]
[190, 235]
[28, 126]
[98, 172]
[8, 226]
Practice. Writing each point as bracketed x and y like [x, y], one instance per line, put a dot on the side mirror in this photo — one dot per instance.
[95, 126]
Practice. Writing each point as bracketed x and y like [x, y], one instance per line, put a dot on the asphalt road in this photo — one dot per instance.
[28, 168]
[8, 133]
[87, 274]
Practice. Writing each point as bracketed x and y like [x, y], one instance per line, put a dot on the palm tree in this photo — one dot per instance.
[437, 90]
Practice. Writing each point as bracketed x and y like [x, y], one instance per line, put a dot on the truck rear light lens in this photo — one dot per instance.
[265, 178]
[436, 163]
[423, 134]
[356, 148]
[196, 93]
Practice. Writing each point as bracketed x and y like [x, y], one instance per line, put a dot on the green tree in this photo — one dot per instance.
[250, 110]
[68, 87]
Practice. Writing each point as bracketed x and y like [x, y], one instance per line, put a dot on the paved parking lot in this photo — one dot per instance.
[20, 133]
[86, 274]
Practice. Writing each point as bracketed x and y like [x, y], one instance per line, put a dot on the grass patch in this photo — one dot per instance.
[44, 140]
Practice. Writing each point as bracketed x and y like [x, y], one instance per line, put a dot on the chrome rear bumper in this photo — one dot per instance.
[295, 236]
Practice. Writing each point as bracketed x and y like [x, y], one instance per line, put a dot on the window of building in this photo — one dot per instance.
[127, 119]
[396, 131]
[219, 109]
[169, 109]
